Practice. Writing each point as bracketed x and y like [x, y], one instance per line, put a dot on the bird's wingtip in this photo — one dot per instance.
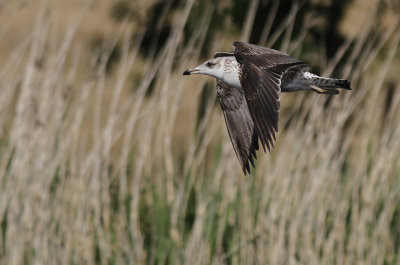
[187, 72]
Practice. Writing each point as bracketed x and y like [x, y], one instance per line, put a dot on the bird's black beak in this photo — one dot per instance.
[187, 72]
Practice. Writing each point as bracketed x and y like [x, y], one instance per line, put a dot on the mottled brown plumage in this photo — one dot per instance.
[249, 83]
[239, 123]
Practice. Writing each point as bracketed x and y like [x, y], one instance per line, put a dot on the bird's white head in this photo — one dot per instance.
[223, 68]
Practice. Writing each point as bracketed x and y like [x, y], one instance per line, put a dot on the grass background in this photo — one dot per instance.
[109, 156]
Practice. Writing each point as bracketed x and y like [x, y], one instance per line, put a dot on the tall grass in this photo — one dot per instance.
[95, 172]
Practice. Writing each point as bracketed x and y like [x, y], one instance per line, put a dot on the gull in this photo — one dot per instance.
[249, 82]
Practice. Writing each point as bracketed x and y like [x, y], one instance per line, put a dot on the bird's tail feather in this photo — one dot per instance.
[324, 85]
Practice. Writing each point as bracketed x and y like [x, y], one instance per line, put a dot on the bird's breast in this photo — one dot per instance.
[232, 79]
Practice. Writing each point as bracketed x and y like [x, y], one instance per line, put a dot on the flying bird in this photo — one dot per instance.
[249, 82]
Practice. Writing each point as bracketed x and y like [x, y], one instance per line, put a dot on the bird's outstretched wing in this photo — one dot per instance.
[261, 71]
[239, 123]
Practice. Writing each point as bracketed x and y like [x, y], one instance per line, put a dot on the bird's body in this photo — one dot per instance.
[249, 82]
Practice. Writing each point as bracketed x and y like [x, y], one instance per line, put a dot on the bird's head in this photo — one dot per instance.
[216, 67]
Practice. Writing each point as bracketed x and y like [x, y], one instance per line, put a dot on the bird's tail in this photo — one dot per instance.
[323, 85]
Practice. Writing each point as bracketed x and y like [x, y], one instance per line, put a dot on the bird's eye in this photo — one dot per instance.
[210, 64]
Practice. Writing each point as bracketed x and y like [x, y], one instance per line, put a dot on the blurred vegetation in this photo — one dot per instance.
[159, 21]
[121, 10]
[133, 164]
[103, 50]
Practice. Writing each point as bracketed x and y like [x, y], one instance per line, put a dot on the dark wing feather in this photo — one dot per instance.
[239, 123]
[243, 50]
[261, 73]
[223, 54]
